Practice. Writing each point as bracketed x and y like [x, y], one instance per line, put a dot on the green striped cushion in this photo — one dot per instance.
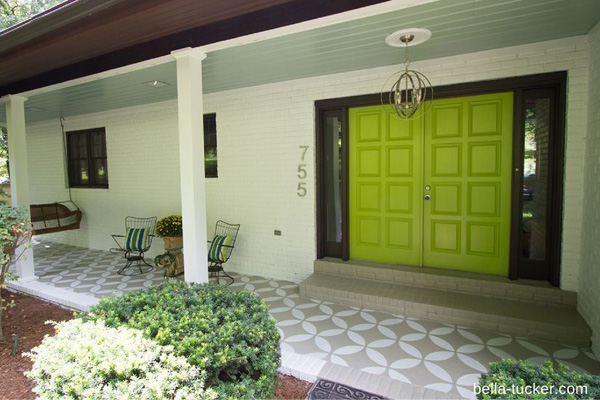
[136, 238]
[218, 250]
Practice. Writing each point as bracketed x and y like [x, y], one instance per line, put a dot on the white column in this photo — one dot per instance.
[19, 177]
[191, 163]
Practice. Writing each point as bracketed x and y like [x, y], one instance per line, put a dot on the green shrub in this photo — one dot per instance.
[230, 335]
[509, 379]
[87, 360]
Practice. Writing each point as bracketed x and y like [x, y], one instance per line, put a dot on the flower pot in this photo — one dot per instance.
[171, 243]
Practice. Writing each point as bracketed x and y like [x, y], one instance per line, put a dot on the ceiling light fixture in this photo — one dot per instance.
[411, 89]
[157, 84]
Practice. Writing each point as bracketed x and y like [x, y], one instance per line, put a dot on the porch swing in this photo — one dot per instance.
[56, 217]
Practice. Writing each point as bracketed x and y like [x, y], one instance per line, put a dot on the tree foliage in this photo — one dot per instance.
[13, 12]
[15, 233]
[3, 152]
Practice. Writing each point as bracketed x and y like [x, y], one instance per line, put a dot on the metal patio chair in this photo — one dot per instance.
[221, 247]
[137, 241]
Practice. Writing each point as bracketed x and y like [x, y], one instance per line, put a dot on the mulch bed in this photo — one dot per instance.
[292, 388]
[27, 319]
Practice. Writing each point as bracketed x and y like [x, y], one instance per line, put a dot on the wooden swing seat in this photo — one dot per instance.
[54, 217]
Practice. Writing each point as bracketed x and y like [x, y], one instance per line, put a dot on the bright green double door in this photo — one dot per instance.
[433, 191]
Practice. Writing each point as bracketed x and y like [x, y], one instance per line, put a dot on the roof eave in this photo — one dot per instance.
[51, 20]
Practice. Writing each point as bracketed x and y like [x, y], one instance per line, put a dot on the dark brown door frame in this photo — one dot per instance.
[342, 105]
[531, 269]
[555, 80]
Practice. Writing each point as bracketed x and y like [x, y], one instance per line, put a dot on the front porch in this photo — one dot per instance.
[431, 337]
[385, 353]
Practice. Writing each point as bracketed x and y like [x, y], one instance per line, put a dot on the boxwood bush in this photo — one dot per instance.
[230, 335]
[87, 360]
[507, 380]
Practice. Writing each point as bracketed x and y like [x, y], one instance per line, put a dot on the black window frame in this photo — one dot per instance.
[210, 136]
[92, 181]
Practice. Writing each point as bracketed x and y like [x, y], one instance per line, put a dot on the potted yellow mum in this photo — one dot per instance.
[170, 229]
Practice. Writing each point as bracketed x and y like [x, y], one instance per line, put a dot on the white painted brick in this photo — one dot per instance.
[515, 63]
[588, 299]
[565, 49]
[559, 65]
[142, 147]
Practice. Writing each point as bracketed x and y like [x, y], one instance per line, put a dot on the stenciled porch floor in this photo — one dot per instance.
[87, 271]
[374, 348]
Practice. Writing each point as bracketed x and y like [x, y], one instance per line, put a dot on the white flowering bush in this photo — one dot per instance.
[88, 360]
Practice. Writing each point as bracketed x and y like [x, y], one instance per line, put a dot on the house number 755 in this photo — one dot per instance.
[302, 173]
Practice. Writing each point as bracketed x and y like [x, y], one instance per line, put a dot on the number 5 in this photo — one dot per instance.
[301, 189]
[302, 171]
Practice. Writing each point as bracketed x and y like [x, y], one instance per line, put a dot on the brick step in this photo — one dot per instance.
[556, 323]
[449, 280]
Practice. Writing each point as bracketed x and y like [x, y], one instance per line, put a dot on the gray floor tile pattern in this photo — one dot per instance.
[87, 271]
[436, 356]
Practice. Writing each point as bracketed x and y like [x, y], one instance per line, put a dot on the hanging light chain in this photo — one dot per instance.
[406, 58]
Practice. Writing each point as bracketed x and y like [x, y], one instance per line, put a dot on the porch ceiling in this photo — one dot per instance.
[458, 27]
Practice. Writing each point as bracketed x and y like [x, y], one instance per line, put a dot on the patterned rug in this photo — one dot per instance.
[325, 389]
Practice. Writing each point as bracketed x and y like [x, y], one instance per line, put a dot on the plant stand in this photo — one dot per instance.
[172, 259]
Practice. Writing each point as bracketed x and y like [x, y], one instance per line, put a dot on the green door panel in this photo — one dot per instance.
[384, 185]
[462, 150]
[467, 158]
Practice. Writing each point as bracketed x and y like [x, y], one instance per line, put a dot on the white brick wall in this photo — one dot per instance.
[260, 130]
[143, 166]
[589, 284]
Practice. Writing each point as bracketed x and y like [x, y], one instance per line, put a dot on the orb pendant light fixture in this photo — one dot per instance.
[411, 89]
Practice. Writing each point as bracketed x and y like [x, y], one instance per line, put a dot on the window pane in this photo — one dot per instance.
[210, 145]
[100, 172]
[98, 144]
[333, 178]
[210, 161]
[80, 175]
[535, 178]
[210, 123]
[87, 158]
[78, 145]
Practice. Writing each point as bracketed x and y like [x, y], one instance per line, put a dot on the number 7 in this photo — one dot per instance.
[305, 149]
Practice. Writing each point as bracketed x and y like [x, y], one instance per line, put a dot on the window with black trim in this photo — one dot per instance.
[210, 146]
[86, 151]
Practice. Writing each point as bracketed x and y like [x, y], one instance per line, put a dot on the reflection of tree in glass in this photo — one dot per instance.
[529, 166]
[4, 176]
[3, 153]
[530, 142]
[210, 161]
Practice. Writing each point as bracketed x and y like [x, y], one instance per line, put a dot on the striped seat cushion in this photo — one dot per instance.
[136, 238]
[219, 251]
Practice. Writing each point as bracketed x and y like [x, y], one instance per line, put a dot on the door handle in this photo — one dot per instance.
[427, 197]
